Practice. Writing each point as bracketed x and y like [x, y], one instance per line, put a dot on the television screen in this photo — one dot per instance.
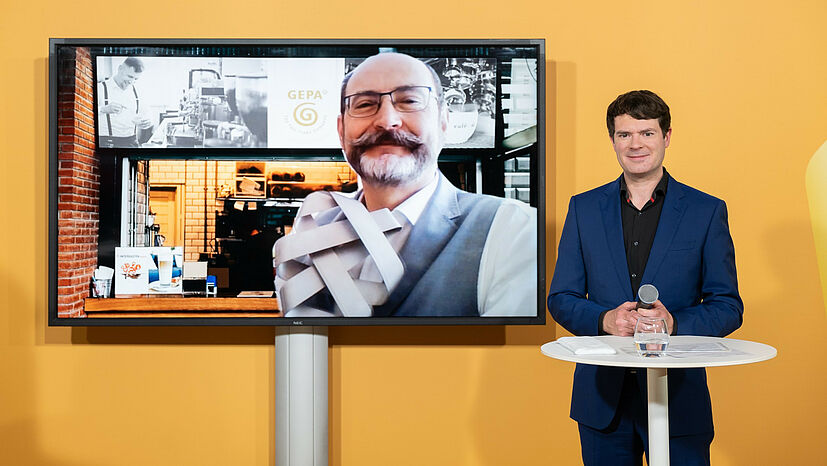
[297, 182]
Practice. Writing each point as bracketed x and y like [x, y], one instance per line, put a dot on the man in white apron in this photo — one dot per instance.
[119, 108]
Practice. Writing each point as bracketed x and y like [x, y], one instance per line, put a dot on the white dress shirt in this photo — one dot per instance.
[123, 122]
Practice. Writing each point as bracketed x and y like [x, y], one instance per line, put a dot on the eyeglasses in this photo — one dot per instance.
[405, 99]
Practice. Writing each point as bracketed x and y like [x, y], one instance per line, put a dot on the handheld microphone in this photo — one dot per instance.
[646, 296]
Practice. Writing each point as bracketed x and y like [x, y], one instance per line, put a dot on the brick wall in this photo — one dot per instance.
[201, 180]
[78, 183]
[194, 176]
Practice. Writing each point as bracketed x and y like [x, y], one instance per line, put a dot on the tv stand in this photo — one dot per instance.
[301, 393]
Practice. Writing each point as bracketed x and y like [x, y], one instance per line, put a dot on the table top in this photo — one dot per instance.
[736, 352]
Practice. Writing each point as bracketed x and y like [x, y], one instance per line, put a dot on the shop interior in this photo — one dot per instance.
[228, 213]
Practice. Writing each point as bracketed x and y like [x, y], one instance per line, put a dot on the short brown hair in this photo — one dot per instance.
[640, 105]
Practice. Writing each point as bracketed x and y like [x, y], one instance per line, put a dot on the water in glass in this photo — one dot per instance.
[651, 336]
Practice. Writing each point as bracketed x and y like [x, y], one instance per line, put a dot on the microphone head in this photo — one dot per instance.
[647, 294]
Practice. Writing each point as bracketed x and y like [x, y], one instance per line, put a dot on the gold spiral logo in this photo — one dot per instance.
[305, 115]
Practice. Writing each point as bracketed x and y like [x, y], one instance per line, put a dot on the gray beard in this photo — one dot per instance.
[393, 170]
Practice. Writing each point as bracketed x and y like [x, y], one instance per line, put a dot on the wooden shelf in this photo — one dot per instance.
[178, 306]
[189, 315]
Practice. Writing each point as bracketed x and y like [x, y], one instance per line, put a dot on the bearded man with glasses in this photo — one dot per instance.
[448, 252]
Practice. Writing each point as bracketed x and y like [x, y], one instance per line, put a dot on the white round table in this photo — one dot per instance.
[684, 351]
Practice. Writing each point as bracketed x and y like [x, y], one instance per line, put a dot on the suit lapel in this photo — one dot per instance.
[429, 236]
[674, 207]
[613, 229]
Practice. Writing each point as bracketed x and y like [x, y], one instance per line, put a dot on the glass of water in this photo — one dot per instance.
[651, 336]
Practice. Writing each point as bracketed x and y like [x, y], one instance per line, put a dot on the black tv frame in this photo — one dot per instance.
[240, 154]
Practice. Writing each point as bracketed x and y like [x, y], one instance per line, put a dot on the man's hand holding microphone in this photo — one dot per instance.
[622, 319]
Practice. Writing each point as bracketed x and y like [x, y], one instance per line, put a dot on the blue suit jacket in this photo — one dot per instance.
[692, 264]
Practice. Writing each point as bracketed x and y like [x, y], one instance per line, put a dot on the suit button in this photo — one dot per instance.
[635, 243]
[634, 275]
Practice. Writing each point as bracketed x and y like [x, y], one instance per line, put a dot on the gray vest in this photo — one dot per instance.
[442, 256]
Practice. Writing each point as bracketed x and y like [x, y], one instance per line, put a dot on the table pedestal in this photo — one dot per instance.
[657, 386]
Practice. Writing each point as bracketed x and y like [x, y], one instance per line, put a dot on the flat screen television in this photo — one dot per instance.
[204, 182]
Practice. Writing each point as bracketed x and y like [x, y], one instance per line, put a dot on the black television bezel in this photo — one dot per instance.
[54, 320]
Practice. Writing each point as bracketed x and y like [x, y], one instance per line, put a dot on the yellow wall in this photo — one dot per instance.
[746, 84]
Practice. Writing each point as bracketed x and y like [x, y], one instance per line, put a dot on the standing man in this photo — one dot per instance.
[424, 248]
[120, 115]
[644, 227]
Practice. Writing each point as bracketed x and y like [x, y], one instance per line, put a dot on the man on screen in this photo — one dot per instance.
[643, 228]
[422, 247]
[121, 121]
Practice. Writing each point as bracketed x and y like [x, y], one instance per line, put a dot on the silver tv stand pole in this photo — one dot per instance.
[301, 396]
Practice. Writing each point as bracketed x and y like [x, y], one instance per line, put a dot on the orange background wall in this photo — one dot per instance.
[746, 83]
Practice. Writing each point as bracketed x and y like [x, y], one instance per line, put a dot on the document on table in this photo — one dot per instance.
[585, 345]
[707, 347]
[708, 350]
[691, 350]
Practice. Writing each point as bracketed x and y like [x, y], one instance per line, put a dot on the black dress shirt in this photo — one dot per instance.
[639, 228]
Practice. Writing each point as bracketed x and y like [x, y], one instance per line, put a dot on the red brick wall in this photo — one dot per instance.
[78, 184]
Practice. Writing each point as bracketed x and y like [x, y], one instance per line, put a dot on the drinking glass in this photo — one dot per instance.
[651, 336]
[165, 270]
[251, 100]
[103, 287]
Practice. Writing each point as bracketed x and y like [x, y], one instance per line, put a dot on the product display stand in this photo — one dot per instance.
[301, 396]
